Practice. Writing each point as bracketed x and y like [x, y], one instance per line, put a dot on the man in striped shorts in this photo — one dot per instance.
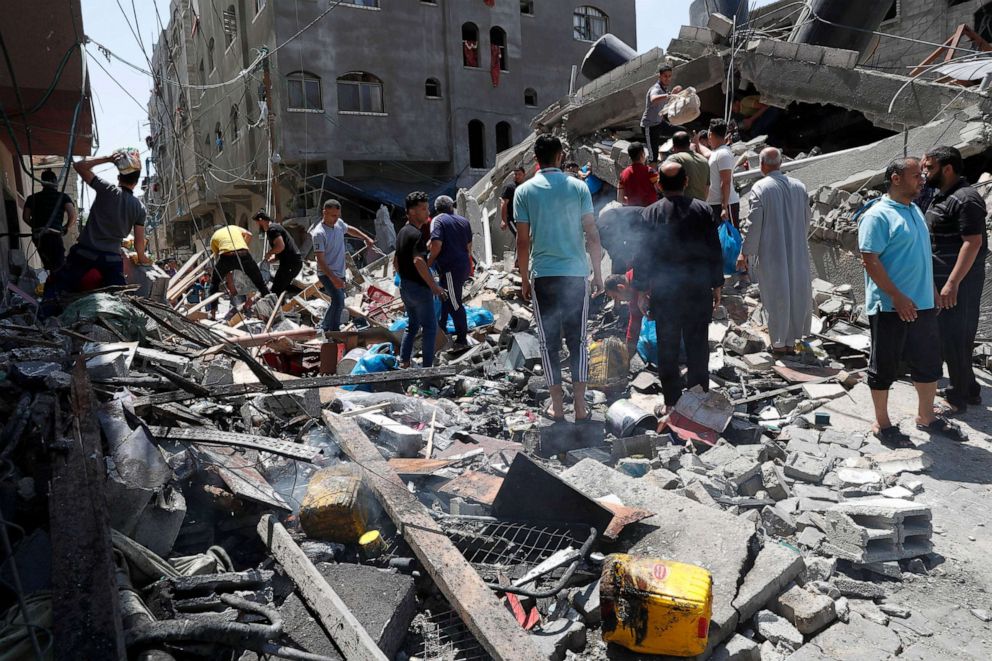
[555, 226]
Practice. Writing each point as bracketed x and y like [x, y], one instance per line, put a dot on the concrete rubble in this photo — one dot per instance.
[230, 481]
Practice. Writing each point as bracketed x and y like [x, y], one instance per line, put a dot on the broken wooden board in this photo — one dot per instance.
[474, 487]
[339, 622]
[238, 472]
[806, 374]
[417, 467]
[484, 615]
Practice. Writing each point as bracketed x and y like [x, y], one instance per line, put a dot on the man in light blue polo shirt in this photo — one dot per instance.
[899, 298]
[555, 226]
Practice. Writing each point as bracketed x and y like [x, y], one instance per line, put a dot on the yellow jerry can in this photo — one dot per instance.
[336, 505]
[655, 606]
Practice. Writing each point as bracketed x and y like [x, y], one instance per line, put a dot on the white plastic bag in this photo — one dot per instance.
[682, 107]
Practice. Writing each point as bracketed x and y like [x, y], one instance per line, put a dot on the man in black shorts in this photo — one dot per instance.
[281, 247]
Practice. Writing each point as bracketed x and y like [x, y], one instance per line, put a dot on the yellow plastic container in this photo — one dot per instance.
[654, 606]
[336, 505]
[609, 365]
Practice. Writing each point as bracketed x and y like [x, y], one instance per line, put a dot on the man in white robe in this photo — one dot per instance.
[775, 233]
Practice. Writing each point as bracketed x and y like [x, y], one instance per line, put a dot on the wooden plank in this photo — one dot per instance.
[795, 386]
[189, 264]
[215, 436]
[204, 303]
[417, 467]
[339, 622]
[480, 610]
[86, 611]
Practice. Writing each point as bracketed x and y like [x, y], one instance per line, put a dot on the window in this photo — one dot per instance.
[504, 136]
[589, 24]
[210, 54]
[983, 22]
[432, 88]
[527, 7]
[304, 91]
[361, 3]
[470, 45]
[235, 128]
[893, 12]
[360, 92]
[530, 97]
[259, 5]
[497, 40]
[476, 144]
[202, 73]
[230, 26]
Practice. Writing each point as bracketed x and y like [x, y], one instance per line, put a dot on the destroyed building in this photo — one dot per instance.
[260, 117]
[250, 488]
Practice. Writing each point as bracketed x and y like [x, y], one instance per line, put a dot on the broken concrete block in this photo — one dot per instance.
[743, 432]
[901, 461]
[737, 648]
[525, 352]
[759, 362]
[586, 601]
[819, 569]
[109, 360]
[869, 611]
[808, 612]
[558, 637]
[777, 522]
[798, 444]
[849, 440]
[573, 457]
[811, 538]
[889, 569]
[815, 492]
[741, 471]
[857, 639]
[158, 526]
[741, 342]
[774, 568]
[699, 493]
[824, 390]
[397, 439]
[803, 467]
[634, 446]
[773, 479]
[665, 479]
[720, 454]
[777, 630]
[878, 529]
[897, 492]
[858, 477]
[287, 404]
[855, 589]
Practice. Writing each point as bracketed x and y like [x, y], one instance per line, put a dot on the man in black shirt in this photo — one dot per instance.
[281, 247]
[44, 212]
[506, 201]
[417, 285]
[680, 267]
[956, 217]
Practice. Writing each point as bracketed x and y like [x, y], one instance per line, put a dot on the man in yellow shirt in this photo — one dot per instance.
[229, 246]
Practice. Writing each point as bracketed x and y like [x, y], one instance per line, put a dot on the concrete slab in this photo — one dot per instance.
[856, 640]
[774, 568]
[715, 540]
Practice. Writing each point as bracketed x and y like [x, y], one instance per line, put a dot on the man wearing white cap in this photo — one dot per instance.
[113, 214]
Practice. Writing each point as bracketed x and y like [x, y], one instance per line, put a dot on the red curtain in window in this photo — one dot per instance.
[495, 53]
[490, 3]
[470, 51]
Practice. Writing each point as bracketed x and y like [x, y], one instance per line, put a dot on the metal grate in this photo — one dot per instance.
[510, 548]
[442, 636]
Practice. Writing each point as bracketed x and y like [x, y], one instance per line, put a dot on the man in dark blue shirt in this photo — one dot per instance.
[451, 252]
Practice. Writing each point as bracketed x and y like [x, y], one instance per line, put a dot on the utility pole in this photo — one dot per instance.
[270, 123]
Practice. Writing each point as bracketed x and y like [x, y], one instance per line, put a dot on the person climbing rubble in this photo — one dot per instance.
[553, 213]
[901, 304]
[329, 248]
[281, 247]
[229, 247]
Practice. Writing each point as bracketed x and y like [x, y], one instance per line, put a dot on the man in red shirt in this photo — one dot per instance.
[619, 289]
[635, 188]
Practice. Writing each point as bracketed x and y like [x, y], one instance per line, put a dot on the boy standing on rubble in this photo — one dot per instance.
[960, 243]
[901, 303]
[553, 211]
[329, 249]
[417, 286]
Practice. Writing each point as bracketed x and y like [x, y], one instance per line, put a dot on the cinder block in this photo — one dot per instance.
[878, 530]
[810, 53]
[806, 611]
[720, 24]
[837, 57]
[803, 467]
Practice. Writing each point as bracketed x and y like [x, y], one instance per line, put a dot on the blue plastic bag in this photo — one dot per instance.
[477, 317]
[379, 358]
[730, 242]
[647, 343]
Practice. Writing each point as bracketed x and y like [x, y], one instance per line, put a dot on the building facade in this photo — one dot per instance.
[371, 98]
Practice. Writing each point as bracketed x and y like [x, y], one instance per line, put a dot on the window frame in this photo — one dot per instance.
[352, 3]
[435, 81]
[531, 5]
[304, 77]
[589, 18]
[526, 103]
[361, 85]
[233, 33]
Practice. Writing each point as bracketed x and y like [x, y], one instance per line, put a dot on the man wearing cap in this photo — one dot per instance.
[451, 251]
[281, 247]
[44, 212]
[329, 248]
[114, 213]
[653, 121]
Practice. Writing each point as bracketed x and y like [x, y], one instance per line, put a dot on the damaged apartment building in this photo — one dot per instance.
[271, 108]
[847, 101]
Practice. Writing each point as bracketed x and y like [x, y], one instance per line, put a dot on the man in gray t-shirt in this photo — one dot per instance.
[656, 128]
[96, 261]
[329, 250]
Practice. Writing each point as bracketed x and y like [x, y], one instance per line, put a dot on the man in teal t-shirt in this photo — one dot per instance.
[555, 223]
[899, 299]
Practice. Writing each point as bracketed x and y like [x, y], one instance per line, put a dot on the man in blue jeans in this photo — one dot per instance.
[328, 245]
[451, 252]
[417, 286]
